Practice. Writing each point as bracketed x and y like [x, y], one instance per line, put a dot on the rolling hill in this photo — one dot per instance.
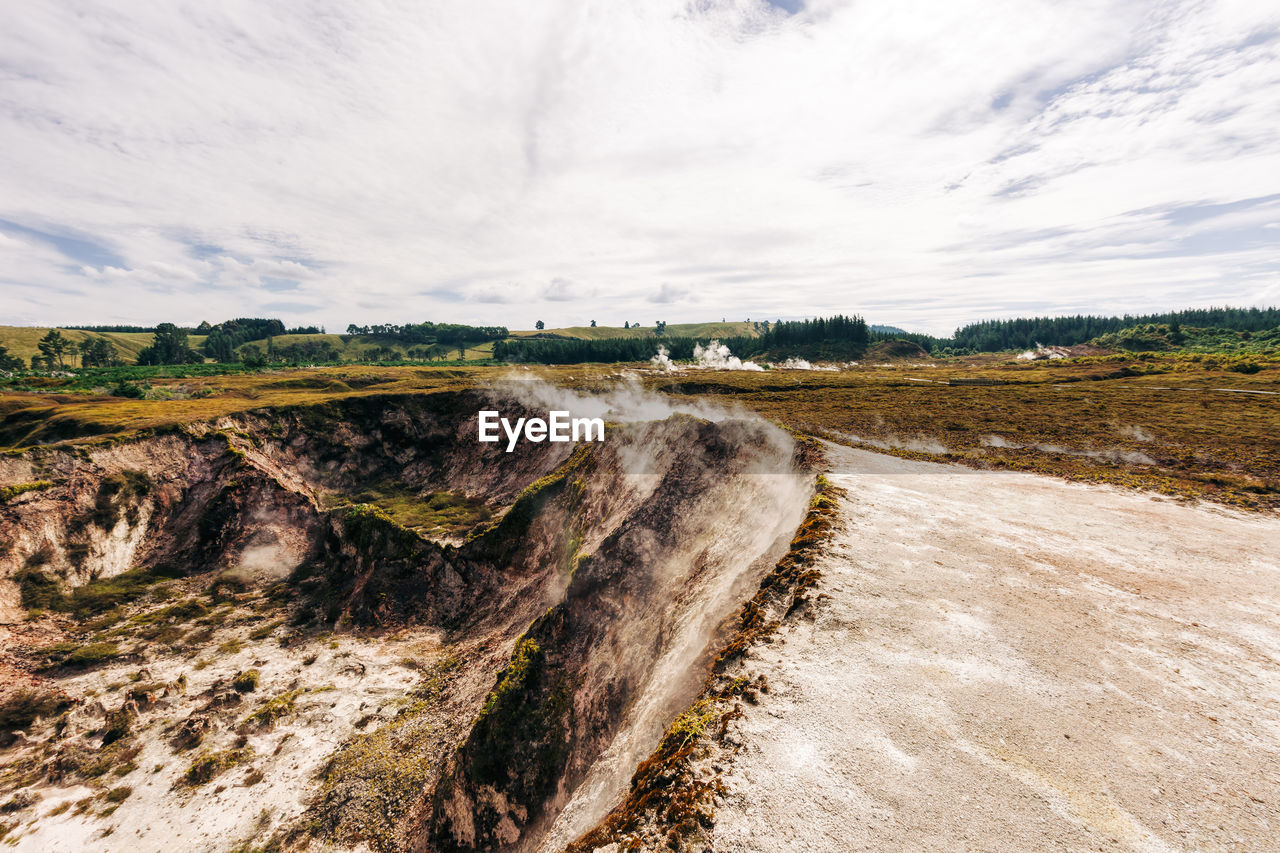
[22, 340]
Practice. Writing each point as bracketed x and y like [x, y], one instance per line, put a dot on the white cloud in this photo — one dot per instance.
[926, 163]
[669, 293]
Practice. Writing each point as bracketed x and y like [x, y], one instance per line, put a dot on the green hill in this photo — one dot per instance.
[22, 340]
[1158, 337]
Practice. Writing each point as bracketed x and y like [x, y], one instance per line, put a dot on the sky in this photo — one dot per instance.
[924, 164]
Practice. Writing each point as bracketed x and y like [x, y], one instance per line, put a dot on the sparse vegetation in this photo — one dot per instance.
[372, 781]
[94, 599]
[246, 682]
[272, 711]
[79, 656]
[8, 493]
[22, 707]
[667, 798]
[118, 795]
[209, 765]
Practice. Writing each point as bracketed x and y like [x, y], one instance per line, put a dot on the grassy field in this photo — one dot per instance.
[21, 340]
[1163, 422]
[740, 329]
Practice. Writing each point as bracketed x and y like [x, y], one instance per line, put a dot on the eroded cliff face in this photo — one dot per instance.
[540, 617]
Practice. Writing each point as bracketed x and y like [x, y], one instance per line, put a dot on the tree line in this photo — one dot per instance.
[1026, 333]
[57, 351]
[448, 334]
[821, 337]
[837, 337]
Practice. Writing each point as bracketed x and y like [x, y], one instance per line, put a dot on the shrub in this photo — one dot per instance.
[118, 795]
[246, 682]
[118, 725]
[40, 590]
[20, 709]
[92, 654]
[208, 765]
[273, 710]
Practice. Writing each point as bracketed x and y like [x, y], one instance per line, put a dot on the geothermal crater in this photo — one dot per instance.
[352, 626]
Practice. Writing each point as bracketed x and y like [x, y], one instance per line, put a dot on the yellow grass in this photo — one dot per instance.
[1081, 419]
[22, 340]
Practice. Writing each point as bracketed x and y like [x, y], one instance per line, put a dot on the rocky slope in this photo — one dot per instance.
[350, 625]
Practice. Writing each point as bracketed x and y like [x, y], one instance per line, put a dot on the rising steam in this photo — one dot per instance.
[717, 356]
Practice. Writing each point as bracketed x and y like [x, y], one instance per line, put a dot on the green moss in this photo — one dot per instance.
[209, 765]
[95, 763]
[117, 495]
[265, 630]
[519, 739]
[374, 531]
[8, 493]
[272, 711]
[373, 781]
[118, 726]
[436, 514]
[80, 656]
[693, 723]
[514, 678]
[183, 611]
[93, 599]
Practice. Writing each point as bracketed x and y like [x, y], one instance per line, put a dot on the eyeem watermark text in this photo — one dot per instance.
[558, 426]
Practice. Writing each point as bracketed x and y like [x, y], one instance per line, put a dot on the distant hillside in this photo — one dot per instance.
[887, 330]
[21, 340]
[741, 329]
[1027, 332]
[1158, 337]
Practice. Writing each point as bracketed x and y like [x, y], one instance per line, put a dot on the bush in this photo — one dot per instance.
[92, 654]
[208, 765]
[118, 795]
[40, 590]
[20, 709]
[129, 390]
[271, 711]
[246, 682]
[118, 725]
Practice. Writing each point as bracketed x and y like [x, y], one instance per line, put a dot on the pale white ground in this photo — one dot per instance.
[345, 682]
[1009, 662]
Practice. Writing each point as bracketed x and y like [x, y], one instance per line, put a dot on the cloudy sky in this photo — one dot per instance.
[922, 163]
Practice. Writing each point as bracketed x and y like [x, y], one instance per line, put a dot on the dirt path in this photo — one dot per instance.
[1010, 662]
